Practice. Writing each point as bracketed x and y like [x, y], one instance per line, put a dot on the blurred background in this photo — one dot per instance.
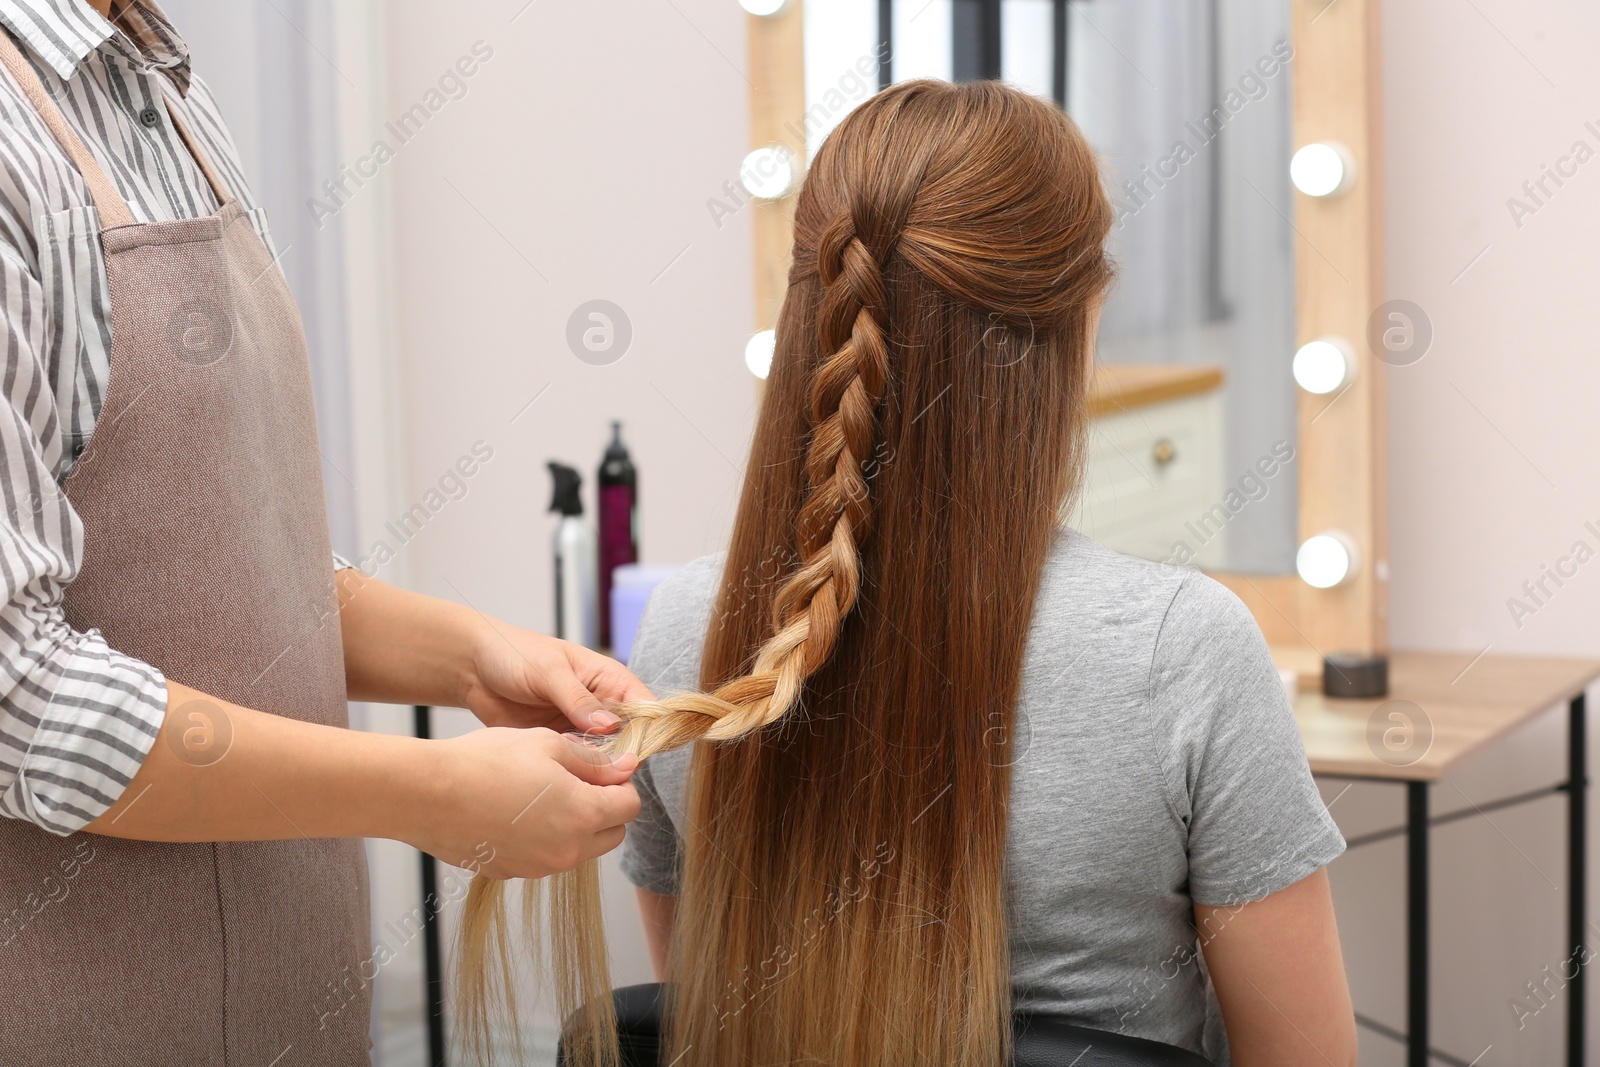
[442, 228]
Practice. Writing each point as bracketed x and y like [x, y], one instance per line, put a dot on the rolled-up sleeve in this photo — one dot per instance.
[77, 718]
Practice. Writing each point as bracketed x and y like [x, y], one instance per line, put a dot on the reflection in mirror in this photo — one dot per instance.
[1188, 104]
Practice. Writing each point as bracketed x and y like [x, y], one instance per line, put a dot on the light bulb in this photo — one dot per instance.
[763, 7]
[1323, 365]
[1322, 169]
[1330, 558]
[768, 173]
[758, 352]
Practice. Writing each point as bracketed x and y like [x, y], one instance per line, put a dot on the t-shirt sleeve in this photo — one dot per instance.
[1234, 759]
[666, 657]
[650, 856]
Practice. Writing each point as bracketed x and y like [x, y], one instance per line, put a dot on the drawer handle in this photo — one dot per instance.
[1164, 452]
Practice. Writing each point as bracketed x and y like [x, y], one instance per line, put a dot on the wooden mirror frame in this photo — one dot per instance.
[1338, 284]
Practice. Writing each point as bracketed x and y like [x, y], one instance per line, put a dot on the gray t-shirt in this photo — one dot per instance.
[1157, 765]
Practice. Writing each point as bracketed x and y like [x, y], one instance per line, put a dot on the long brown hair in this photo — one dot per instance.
[923, 428]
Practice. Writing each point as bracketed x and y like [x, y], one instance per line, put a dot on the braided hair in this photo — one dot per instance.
[810, 607]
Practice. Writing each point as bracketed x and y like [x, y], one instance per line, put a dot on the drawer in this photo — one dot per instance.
[1151, 475]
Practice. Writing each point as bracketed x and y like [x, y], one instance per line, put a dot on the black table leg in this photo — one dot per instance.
[434, 954]
[1416, 924]
[1577, 872]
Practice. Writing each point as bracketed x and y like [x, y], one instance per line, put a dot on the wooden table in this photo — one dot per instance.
[1441, 709]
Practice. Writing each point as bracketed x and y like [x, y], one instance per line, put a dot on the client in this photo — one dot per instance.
[956, 759]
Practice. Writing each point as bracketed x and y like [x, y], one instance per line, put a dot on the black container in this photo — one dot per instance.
[1355, 674]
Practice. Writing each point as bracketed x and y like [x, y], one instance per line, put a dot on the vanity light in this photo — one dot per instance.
[1324, 168]
[1323, 365]
[763, 8]
[758, 352]
[768, 173]
[1330, 558]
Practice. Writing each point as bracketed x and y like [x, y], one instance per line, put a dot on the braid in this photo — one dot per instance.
[810, 608]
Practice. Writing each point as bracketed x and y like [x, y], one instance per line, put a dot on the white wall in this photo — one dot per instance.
[1493, 474]
[576, 166]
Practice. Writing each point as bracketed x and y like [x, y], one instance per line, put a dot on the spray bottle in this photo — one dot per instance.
[619, 524]
[576, 616]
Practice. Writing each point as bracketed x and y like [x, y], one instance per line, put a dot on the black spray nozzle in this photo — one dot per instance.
[565, 499]
[616, 449]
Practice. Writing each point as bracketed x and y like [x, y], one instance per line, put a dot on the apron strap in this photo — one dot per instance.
[200, 158]
[108, 203]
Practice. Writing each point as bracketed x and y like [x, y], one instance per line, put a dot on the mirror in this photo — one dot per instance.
[1194, 446]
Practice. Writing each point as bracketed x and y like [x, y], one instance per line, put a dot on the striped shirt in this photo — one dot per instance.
[77, 718]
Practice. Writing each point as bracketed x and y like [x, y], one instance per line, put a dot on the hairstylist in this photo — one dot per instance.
[177, 646]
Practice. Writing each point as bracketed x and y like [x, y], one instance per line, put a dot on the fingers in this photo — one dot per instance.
[544, 801]
[604, 842]
[618, 805]
[581, 707]
[584, 705]
[611, 680]
[590, 764]
[632, 688]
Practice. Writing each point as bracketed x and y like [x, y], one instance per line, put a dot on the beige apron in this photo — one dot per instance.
[206, 554]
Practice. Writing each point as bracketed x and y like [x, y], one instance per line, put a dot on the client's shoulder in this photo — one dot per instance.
[692, 583]
[1087, 584]
[666, 649]
[681, 605]
[1082, 572]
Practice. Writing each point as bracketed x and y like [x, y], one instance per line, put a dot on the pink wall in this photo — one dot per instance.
[1493, 474]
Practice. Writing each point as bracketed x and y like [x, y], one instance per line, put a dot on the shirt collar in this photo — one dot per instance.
[64, 32]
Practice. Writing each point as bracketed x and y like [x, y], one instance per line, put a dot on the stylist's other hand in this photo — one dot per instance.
[522, 678]
[525, 803]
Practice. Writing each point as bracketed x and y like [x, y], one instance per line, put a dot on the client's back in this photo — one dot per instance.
[959, 754]
[1154, 764]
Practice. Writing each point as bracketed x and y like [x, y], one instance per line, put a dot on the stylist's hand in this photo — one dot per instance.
[524, 803]
[522, 678]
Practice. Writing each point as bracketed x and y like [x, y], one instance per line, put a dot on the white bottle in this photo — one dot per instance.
[577, 566]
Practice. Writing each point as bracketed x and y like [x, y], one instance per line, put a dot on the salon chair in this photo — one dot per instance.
[1040, 1040]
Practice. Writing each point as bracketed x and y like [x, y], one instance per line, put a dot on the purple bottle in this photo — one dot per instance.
[619, 520]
